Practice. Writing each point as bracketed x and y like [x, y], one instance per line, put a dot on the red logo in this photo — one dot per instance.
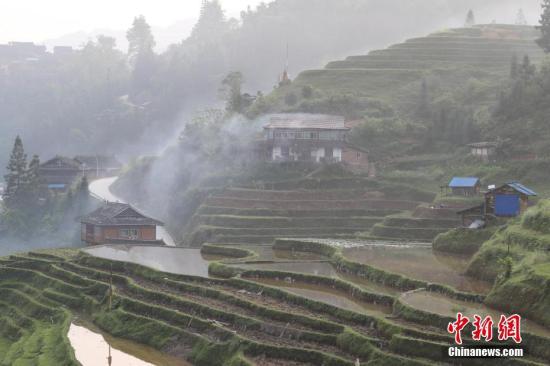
[457, 326]
[508, 328]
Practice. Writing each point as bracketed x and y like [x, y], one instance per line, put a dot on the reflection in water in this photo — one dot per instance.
[442, 305]
[101, 189]
[92, 349]
[166, 259]
[327, 295]
[420, 263]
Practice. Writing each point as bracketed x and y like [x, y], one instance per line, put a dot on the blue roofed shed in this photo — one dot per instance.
[508, 200]
[465, 186]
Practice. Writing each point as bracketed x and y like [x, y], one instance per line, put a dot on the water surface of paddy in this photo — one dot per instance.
[92, 349]
[419, 263]
[165, 259]
[328, 296]
[442, 305]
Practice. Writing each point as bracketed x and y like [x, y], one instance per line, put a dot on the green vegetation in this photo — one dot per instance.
[462, 240]
[29, 210]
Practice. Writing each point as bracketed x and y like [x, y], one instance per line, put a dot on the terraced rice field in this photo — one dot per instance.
[249, 216]
[454, 56]
[209, 321]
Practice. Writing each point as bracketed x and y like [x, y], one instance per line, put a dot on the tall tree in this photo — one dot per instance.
[211, 24]
[520, 18]
[470, 19]
[514, 67]
[231, 92]
[544, 40]
[141, 53]
[140, 38]
[15, 178]
[32, 180]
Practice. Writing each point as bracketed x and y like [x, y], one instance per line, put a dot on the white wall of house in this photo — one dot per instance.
[337, 154]
[276, 153]
[318, 154]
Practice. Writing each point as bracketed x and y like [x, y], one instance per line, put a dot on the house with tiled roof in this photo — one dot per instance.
[119, 223]
[317, 138]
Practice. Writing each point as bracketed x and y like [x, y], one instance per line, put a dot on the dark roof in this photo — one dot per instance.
[484, 144]
[518, 187]
[306, 121]
[104, 162]
[61, 162]
[118, 214]
[461, 182]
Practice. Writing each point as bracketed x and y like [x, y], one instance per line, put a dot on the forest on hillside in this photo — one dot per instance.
[99, 99]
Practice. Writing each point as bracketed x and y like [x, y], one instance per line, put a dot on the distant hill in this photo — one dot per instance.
[483, 52]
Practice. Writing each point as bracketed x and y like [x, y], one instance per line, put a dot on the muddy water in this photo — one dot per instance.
[328, 296]
[442, 305]
[166, 259]
[419, 263]
[101, 189]
[92, 349]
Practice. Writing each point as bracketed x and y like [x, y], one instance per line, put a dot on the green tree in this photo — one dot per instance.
[231, 92]
[140, 38]
[544, 27]
[33, 182]
[423, 109]
[141, 54]
[211, 24]
[514, 67]
[15, 178]
[520, 18]
[470, 19]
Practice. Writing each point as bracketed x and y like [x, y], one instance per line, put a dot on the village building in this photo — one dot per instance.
[508, 200]
[483, 150]
[119, 223]
[314, 138]
[465, 186]
[99, 166]
[59, 173]
[303, 137]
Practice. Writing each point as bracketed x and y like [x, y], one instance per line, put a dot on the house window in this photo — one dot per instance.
[128, 233]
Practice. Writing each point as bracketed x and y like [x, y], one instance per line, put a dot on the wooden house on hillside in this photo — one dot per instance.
[483, 150]
[99, 166]
[312, 138]
[59, 173]
[119, 223]
[508, 200]
[465, 186]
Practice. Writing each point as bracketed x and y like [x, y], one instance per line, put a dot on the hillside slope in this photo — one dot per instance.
[483, 52]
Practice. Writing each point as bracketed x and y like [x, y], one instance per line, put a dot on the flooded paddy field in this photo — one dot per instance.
[92, 348]
[420, 263]
[439, 304]
[327, 295]
[165, 259]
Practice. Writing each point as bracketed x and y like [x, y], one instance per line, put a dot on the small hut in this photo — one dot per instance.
[465, 186]
[508, 200]
[483, 150]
